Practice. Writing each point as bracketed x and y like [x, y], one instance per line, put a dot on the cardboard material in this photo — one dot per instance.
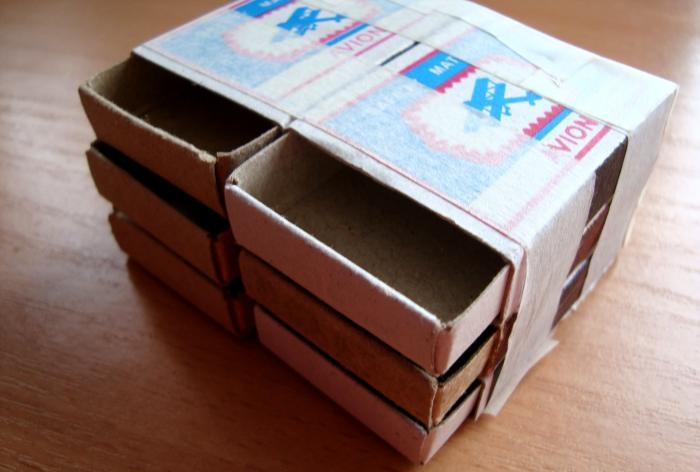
[462, 164]
[176, 129]
[280, 56]
[228, 307]
[327, 227]
[184, 225]
[559, 118]
[425, 398]
[405, 435]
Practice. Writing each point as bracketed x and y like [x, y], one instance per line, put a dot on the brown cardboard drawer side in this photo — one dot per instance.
[190, 136]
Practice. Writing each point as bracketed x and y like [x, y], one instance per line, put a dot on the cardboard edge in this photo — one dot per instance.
[466, 328]
[309, 263]
[224, 256]
[226, 162]
[402, 433]
[207, 252]
[241, 313]
[128, 133]
[173, 271]
[458, 417]
[449, 391]
[248, 101]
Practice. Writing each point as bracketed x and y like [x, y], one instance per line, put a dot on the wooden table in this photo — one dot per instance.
[102, 368]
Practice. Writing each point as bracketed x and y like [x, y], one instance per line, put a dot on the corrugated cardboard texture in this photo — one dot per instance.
[422, 396]
[187, 227]
[228, 308]
[401, 432]
[171, 126]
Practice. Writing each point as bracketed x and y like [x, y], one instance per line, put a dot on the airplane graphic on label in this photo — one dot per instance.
[495, 120]
[285, 30]
[304, 19]
[492, 96]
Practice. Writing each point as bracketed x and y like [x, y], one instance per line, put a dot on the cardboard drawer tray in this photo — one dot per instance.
[228, 306]
[187, 227]
[423, 397]
[409, 277]
[405, 435]
[189, 135]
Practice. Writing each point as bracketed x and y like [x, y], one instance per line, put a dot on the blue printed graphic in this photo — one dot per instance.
[347, 34]
[437, 70]
[304, 19]
[378, 124]
[258, 8]
[202, 45]
[552, 124]
[492, 95]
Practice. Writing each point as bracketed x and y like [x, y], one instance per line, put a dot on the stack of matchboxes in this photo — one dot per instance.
[412, 193]
[164, 148]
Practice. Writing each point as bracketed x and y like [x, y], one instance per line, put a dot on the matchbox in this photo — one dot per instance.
[176, 129]
[416, 282]
[408, 174]
[229, 307]
[181, 223]
[421, 396]
[404, 434]
[326, 226]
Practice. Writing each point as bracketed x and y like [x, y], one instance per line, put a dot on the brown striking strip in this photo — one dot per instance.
[606, 177]
[590, 237]
[572, 290]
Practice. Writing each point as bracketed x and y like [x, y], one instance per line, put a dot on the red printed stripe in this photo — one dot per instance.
[596, 139]
[235, 5]
[456, 78]
[542, 121]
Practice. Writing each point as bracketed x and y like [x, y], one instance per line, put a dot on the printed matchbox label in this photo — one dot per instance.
[286, 29]
[422, 110]
[273, 49]
[491, 148]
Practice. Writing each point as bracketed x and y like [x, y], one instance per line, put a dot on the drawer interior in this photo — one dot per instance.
[424, 257]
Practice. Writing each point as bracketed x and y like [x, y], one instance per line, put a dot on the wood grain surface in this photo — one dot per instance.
[102, 368]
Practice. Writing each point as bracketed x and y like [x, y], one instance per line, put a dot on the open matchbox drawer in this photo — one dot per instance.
[190, 136]
[418, 283]
[184, 225]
